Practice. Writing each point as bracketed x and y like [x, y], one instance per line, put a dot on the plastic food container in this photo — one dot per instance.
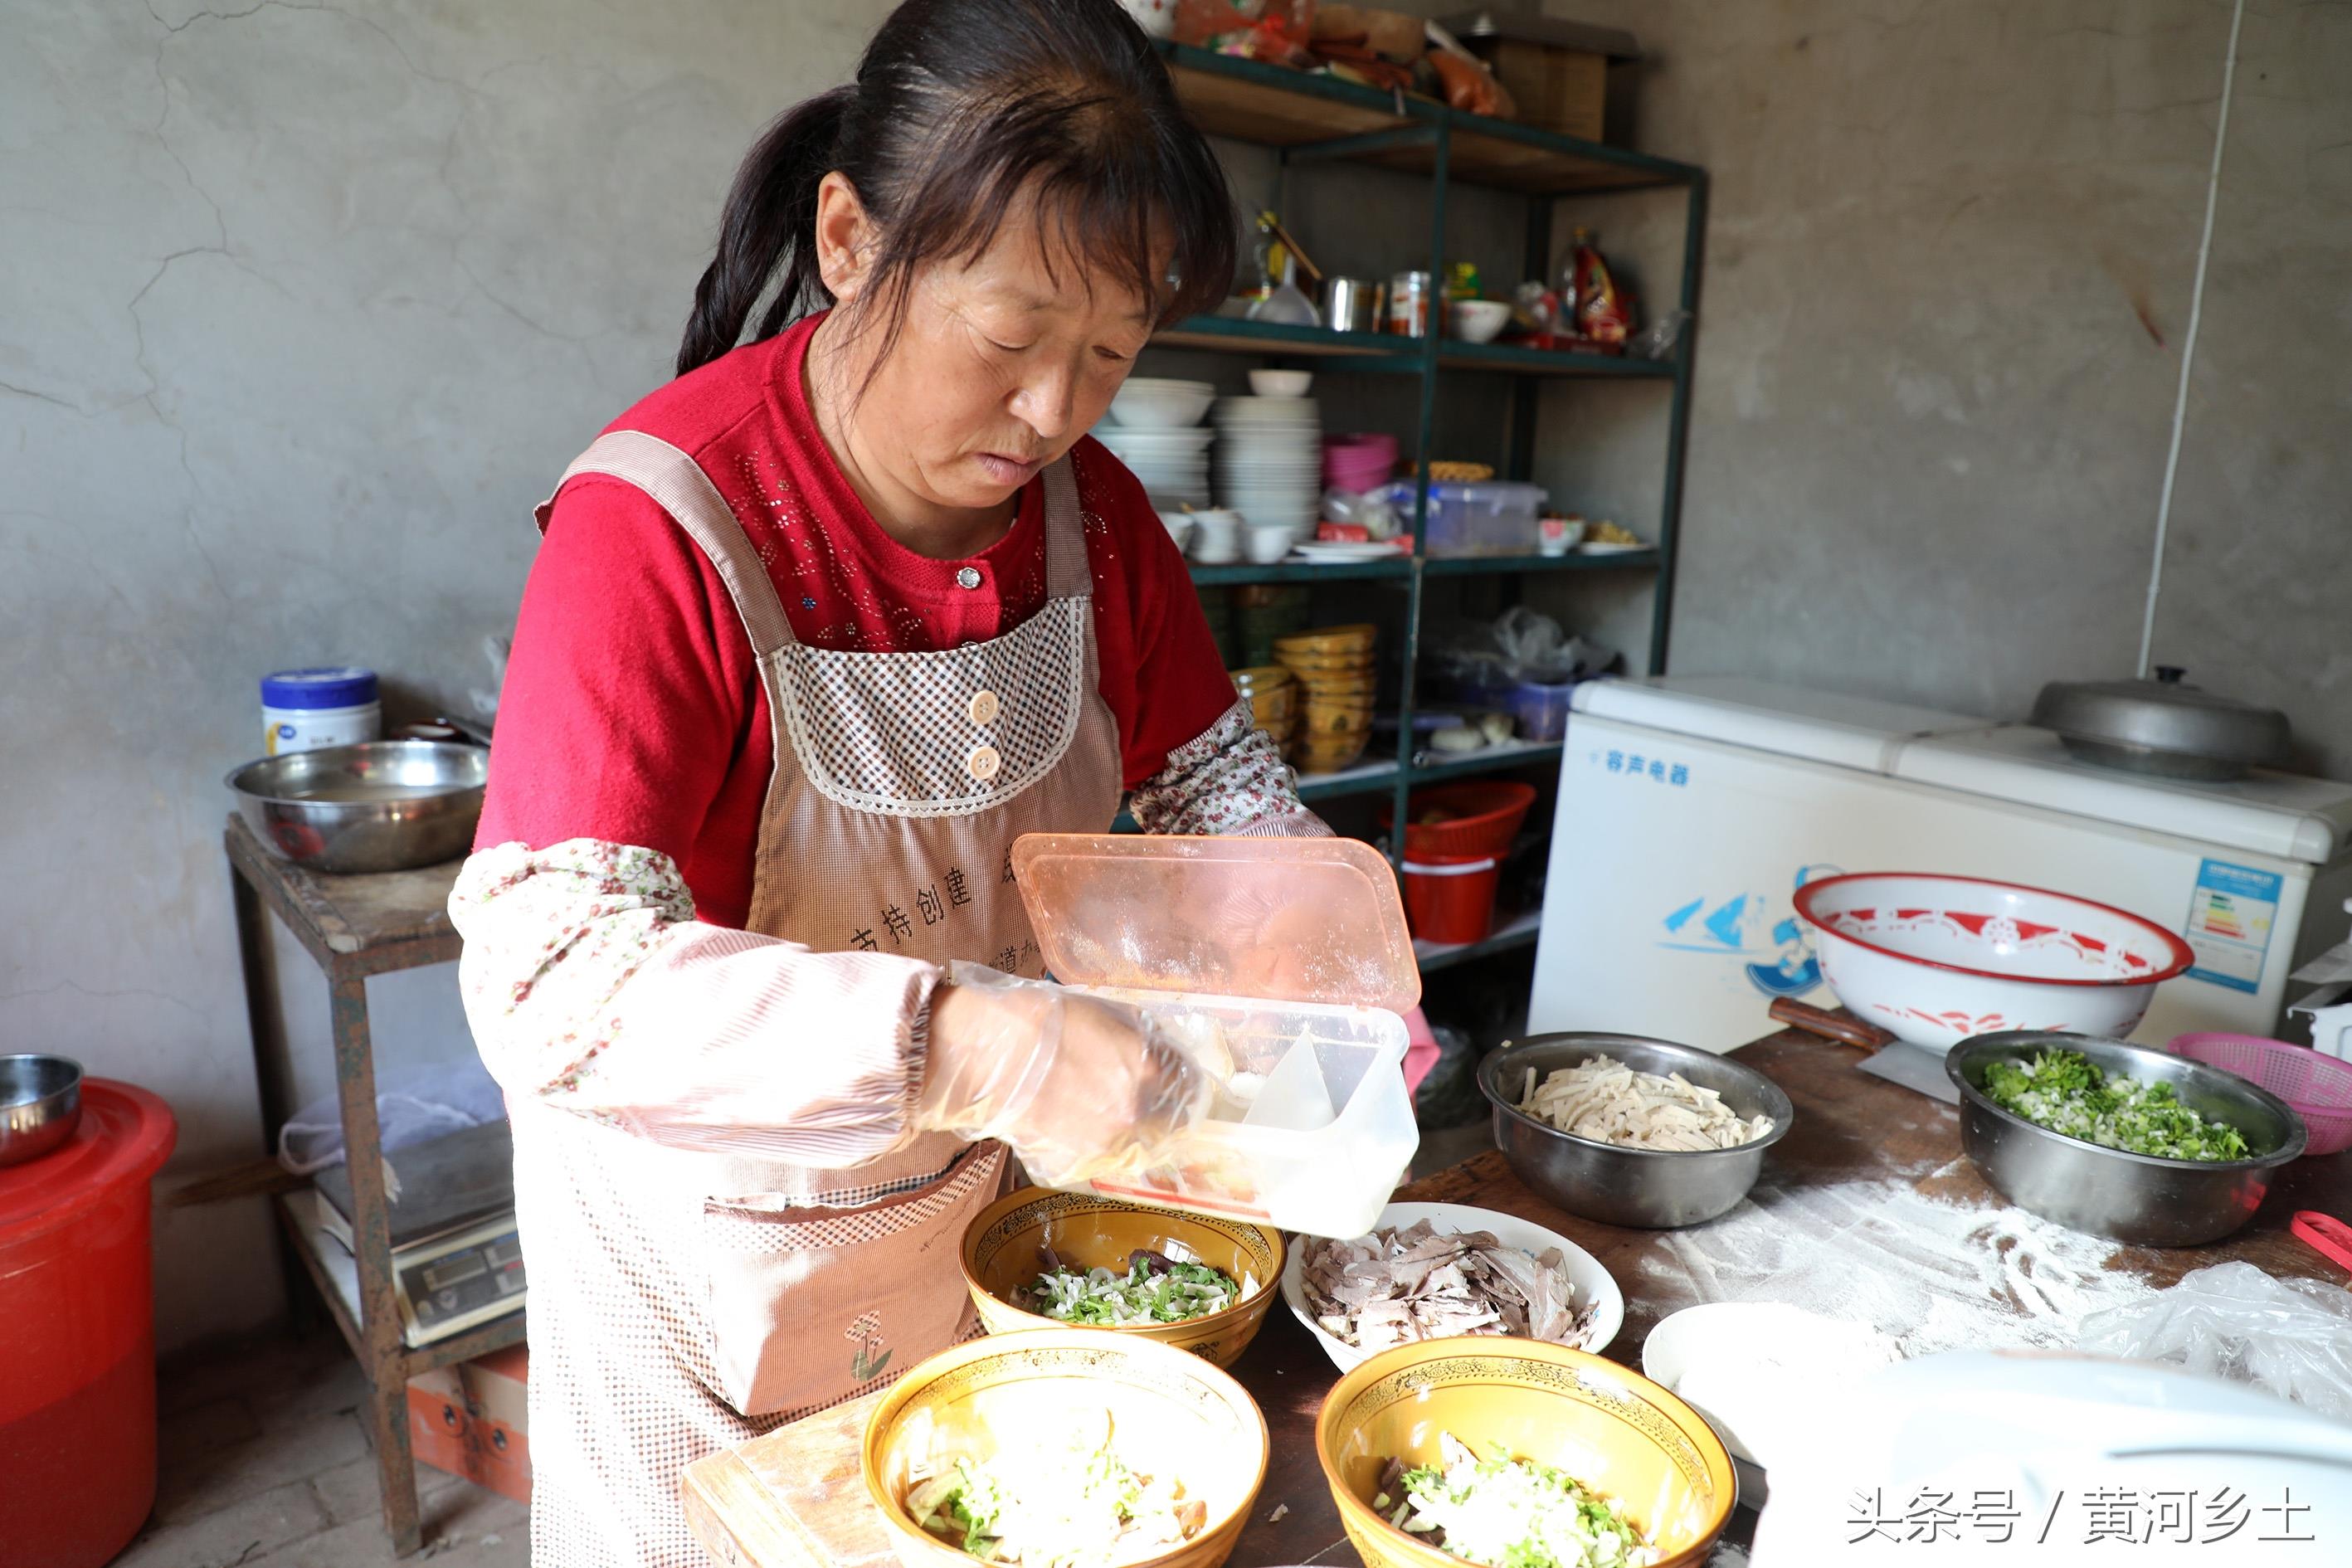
[1494, 517]
[303, 709]
[1541, 707]
[77, 1300]
[1296, 953]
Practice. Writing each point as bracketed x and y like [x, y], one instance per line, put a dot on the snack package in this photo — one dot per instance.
[1600, 312]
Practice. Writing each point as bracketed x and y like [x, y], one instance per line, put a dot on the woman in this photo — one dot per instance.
[816, 632]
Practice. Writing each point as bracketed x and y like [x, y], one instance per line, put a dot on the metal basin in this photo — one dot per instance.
[384, 805]
[40, 1105]
[1648, 1189]
[2135, 1198]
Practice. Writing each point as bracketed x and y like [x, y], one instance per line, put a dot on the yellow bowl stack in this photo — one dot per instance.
[1334, 667]
[1001, 1261]
[1272, 692]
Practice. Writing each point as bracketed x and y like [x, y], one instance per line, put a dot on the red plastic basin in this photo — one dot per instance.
[78, 1321]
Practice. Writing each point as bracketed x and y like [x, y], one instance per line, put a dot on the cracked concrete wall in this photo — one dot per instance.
[302, 306]
[1932, 405]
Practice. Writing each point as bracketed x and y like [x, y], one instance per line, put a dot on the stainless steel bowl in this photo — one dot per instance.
[2136, 1198]
[383, 805]
[40, 1105]
[1649, 1189]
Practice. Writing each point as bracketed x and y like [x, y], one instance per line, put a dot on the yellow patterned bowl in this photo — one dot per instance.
[1611, 1429]
[1356, 639]
[1169, 1413]
[1001, 1259]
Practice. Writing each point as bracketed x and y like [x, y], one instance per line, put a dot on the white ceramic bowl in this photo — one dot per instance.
[1766, 1375]
[1267, 543]
[1281, 382]
[1593, 1285]
[1478, 320]
[1179, 525]
[1160, 405]
[1938, 959]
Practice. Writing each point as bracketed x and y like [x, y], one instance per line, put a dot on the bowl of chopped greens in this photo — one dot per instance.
[1065, 1448]
[2119, 1140]
[1040, 1259]
[1517, 1454]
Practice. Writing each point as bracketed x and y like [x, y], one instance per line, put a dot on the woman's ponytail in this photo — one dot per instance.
[770, 221]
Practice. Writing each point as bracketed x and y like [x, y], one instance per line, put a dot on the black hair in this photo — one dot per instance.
[960, 106]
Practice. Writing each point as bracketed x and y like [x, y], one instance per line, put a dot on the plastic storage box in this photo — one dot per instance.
[1293, 955]
[1494, 518]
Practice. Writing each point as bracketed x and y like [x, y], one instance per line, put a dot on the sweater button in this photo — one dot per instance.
[984, 707]
[968, 577]
[983, 763]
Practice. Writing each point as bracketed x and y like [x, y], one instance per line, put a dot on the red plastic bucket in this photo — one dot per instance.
[1451, 898]
[78, 1319]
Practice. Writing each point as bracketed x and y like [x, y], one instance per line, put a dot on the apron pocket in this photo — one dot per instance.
[796, 1323]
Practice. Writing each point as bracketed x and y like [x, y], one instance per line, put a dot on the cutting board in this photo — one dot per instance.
[794, 1498]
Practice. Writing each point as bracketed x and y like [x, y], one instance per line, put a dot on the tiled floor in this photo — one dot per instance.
[267, 1462]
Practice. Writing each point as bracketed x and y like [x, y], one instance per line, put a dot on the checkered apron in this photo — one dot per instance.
[681, 1302]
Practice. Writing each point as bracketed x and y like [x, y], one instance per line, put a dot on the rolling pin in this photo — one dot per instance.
[1829, 1026]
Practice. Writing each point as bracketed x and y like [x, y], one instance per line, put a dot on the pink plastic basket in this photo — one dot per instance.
[2318, 1086]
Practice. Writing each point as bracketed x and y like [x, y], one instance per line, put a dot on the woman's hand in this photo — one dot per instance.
[1079, 1086]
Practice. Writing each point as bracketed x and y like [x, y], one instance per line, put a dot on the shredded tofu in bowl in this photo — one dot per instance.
[1609, 1102]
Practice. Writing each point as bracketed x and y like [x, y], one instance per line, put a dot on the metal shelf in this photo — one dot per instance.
[1374, 775]
[1493, 760]
[1394, 355]
[1396, 570]
[1512, 565]
[1321, 116]
[1509, 936]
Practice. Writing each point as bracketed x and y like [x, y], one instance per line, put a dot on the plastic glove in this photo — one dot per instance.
[1079, 1086]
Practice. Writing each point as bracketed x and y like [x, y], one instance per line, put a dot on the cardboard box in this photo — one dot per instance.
[1559, 90]
[472, 1420]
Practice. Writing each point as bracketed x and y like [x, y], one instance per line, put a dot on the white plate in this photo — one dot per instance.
[1593, 1282]
[1596, 547]
[1336, 550]
[1762, 1371]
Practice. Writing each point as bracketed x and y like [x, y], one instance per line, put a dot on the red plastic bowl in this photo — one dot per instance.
[1487, 818]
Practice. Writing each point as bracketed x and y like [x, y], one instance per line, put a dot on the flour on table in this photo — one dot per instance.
[1933, 1276]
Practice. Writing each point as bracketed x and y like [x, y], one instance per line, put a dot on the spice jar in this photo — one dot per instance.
[1409, 300]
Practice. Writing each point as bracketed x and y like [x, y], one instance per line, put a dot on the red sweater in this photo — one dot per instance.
[632, 711]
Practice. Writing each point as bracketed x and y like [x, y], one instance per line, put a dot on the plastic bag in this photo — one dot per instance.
[2292, 1337]
[413, 1105]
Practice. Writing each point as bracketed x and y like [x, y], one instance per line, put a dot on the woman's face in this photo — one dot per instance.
[1000, 365]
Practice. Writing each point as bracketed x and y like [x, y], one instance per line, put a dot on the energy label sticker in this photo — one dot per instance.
[2229, 918]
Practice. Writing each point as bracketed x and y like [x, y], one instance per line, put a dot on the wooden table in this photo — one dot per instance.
[351, 927]
[792, 1498]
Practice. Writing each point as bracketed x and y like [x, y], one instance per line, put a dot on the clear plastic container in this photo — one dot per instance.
[1288, 956]
[1541, 707]
[1496, 517]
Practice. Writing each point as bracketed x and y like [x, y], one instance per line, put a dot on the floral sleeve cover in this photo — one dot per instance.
[590, 984]
[1228, 780]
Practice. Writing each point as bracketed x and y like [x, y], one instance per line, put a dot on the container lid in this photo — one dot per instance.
[1284, 920]
[124, 1135]
[339, 686]
[2165, 716]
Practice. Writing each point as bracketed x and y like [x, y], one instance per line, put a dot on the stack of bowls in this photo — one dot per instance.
[1272, 693]
[1359, 462]
[1335, 667]
[1269, 460]
[1154, 427]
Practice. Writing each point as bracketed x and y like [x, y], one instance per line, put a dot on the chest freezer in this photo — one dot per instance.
[1692, 808]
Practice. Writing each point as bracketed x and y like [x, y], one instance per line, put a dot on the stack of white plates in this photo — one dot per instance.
[1269, 460]
[1154, 427]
